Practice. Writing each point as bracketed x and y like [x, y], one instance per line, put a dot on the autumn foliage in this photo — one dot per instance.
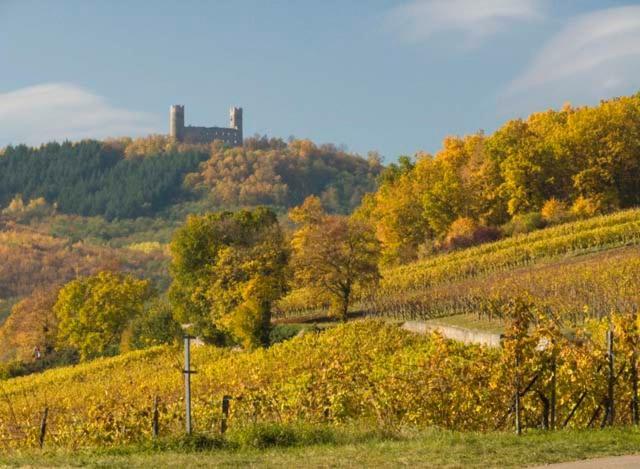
[576, 162]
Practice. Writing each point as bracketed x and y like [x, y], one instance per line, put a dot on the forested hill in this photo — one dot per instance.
[548, 168]
[95, 178]
[132, 178]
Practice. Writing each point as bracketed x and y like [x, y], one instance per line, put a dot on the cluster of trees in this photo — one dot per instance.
[90, 316]
[228, 268]
[33, 266]
[96, 178]
[575, 162]
[126, 178]
[273, 172]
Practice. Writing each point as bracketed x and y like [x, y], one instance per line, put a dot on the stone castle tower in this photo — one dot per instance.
[231, 135]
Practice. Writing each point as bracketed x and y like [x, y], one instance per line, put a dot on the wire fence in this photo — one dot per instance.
[533, 391]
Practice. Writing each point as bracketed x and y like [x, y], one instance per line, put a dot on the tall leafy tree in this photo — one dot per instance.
[334, 254]
[228, 268]
[92, 312]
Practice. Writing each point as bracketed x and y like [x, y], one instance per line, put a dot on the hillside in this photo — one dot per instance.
[362, 372]
[126, 179]
[73, 209]
[34, 265]
[575, 162]
[572, 267]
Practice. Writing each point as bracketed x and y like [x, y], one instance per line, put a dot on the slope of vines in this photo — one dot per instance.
[464, 281]
[596, 234]
[366, 371]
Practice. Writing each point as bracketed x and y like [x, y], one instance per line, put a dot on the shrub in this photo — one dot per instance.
[267, 435]
[555, 211]
[524, 223]
[283, 332]
[465, 232]
[587, 207]
[53, 359]
[156, 326]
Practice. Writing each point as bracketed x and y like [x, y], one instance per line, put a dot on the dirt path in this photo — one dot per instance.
[467, 336]
[614, 462]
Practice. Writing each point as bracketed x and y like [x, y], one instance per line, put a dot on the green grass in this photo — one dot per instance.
[347, 449]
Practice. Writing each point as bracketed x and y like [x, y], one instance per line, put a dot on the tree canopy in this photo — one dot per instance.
[587, 159]
[92, 312]
[95, 178]
[272, 172]
[228, 267]
[332, 253]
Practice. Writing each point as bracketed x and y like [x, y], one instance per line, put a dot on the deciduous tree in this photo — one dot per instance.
[333, 253]
[92, 312]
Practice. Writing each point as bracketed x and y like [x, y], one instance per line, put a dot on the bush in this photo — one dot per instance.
[524, 223]
[466, 232]
[555, 211]
[156, 326]
[52, 359]
[268, 435]
[587, 207]
[193, 443]
[283, 332]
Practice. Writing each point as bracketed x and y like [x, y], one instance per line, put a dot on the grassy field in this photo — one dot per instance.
[424, 449]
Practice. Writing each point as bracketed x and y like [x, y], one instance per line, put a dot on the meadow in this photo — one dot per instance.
[349, 448]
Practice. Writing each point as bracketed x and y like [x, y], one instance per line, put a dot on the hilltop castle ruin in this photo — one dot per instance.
[231, 135]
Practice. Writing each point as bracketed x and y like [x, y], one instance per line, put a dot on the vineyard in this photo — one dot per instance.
[365, 371]
[576, 268]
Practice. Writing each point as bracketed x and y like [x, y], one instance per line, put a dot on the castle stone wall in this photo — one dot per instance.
[194, 134]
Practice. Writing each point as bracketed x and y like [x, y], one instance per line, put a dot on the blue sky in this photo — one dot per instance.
[391, 76]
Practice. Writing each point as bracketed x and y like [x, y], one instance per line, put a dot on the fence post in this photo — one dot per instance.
[43, 426]
[225, 413]
[611, 380]
[155, 428]
[187, 382]
[634, 381]
[517, 397]
[552, 404]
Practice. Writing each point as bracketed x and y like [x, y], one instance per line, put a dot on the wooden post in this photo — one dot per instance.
[43, 426]
[154, 427]
[552, 403]
[611, 380]
[634, 384]
[225, 413]
[187, 383]
[634, 381]
[517, 397]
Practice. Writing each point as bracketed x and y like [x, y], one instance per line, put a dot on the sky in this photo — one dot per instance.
[391, 76]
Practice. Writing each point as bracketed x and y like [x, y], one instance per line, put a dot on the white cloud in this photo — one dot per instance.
[59, 111]
[418, 20]
[595, 53]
